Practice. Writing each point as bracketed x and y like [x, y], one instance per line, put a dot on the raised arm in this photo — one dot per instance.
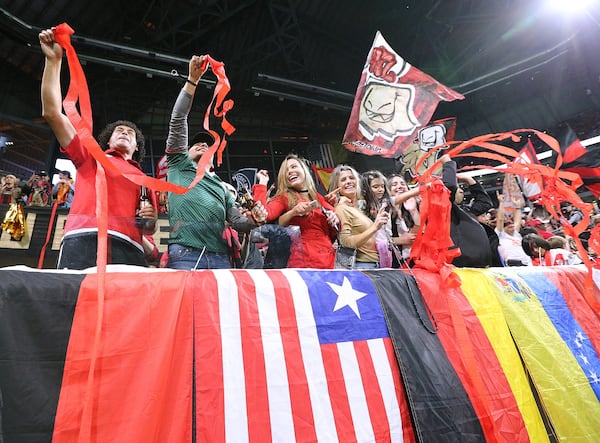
[177, 139]
[518, 218]
[500, 213]
[398, 199]
[51, 92]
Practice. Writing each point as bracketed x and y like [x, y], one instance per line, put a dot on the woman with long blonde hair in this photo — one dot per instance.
[297, 203]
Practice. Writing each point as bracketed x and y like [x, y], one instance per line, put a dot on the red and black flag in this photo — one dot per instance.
[581, 160]
[393, 100]
[527, 155]
[440, 410]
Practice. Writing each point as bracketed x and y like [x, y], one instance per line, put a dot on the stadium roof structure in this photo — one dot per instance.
[294, 65]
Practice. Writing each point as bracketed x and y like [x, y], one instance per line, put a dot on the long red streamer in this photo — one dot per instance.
[78, 92]
[431, 249]
[220, 107]
[557, 186]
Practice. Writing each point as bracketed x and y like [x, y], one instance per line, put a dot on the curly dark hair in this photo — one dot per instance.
[106, 133]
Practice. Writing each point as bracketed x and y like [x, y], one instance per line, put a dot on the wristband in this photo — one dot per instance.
[191, 82]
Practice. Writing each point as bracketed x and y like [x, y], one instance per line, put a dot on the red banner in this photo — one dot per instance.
[393, 100]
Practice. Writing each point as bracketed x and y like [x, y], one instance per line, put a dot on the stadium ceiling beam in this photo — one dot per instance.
[288, 35]
[188, 27]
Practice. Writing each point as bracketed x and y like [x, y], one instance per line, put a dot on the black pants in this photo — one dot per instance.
[80, 252]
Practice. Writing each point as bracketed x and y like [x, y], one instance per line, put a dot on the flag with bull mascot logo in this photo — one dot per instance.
[393, 100]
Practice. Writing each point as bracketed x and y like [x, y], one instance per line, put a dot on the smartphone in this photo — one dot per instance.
[314, 204]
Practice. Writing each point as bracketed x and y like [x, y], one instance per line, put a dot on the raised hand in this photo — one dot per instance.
[50, 48]
[263, 177]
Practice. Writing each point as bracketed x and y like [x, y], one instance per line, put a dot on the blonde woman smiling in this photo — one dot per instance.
[357, 230]
[297, 203]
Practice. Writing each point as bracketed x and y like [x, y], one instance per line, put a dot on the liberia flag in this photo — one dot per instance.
[304, 356]
[393, 100]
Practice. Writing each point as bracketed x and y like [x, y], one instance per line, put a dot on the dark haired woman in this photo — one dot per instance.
[358, 231]
[406, 218]
[543, 254]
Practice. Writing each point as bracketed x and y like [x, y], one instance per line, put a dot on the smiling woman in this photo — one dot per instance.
[297, 203]
[357, 230]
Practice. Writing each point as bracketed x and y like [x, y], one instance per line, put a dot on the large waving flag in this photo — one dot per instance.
[393, 100]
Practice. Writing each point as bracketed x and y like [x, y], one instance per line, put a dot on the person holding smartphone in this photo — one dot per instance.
[357, 230]
[297, 203]
[376, 195]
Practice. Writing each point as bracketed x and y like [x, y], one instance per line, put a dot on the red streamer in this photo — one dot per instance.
[220, 108]
[556, 186]
[78, 92]
[431, 249]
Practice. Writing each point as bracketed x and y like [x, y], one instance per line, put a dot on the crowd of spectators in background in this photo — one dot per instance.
[212, 226]
[38, 190]
[375, 214]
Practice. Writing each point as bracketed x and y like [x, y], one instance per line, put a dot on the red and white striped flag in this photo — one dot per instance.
[278, 355]
[314, 363]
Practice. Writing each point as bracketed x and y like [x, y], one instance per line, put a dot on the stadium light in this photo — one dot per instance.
[571, 6]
